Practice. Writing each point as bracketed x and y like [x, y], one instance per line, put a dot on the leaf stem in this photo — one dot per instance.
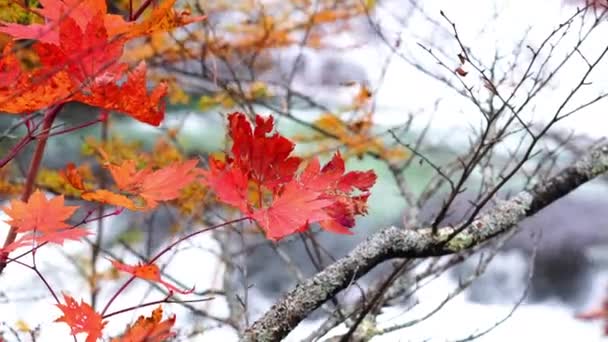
[49, 118]
[165, 250]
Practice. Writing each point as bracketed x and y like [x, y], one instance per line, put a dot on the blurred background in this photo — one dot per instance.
[384, 82]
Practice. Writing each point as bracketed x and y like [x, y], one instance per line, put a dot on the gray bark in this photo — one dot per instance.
[395, 242]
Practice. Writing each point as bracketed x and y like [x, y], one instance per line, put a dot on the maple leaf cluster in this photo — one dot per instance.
[260, 177]
[144, 185]
[82, 318]
[325, 195]
[79, 47]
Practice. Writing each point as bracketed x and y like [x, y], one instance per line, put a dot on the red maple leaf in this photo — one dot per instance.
[81, 318]
[149, 329]
[229, 184]
[84, 52]
[79, 47]
[265, 157]
[149, 272]
[292, 211]
[287, 203]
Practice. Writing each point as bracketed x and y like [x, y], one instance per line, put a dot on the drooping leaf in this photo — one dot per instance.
[73, 176]
[149, 272]
[109, 197]
[337, 186]
[81, 318]
[149, 329]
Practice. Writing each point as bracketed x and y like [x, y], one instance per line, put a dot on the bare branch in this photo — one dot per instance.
[394, 242]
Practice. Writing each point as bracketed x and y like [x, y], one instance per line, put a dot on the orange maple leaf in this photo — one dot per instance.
[39, 213]
[81, 318]
[149, 272]
[149, 329]
[40, 221]
[125, 175]
[166, 183]
[73, 176]
[163, 184]
[109, 197]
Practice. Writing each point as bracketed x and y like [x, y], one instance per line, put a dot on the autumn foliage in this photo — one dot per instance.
[78, 51]
[323, 195]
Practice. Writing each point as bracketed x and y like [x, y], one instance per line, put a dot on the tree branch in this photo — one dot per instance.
[394, 242]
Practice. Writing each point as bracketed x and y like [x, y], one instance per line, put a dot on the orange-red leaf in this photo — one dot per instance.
[291, 211]
[57, 237]
[108, 197]
[81, 318]
[286, 203]
[72, 176]
[39, 213]
[86, 53]
[162, 18]
[166, 183]
[149, 272]
[229, 184]
[131, 97]
[149, 329]
[125, 175]
[27, 92]
[152, 186]
[461, 72]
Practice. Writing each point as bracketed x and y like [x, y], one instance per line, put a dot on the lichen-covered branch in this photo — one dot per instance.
[395, 242]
